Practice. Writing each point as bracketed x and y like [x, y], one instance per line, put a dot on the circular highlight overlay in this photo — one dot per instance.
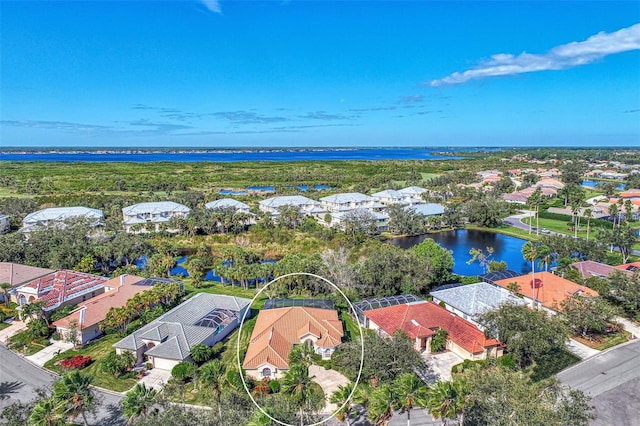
[240, 333]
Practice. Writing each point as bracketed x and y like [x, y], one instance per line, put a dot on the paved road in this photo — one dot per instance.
[19, 380]
[612, 379]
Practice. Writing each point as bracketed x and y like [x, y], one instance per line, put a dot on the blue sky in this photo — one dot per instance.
[233, 73]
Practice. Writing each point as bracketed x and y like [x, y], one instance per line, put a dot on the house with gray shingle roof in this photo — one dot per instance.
[203, 319]
[470, 301]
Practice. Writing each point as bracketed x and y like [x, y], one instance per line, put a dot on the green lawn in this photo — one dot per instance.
[351, 329]
[507, 230]
[97, 350]
[4, 325]
[613, 340]
[229, 355]
[24, 344]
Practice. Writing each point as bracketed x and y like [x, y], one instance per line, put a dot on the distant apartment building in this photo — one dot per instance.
[59, 215]
[306, 206]
[228, 203]
[350, 201]
[152, 216]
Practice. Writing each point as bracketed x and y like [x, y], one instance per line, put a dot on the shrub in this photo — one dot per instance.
[274, 385]
[118, 364]
[183, 371]
[76, 362]
[439, 340]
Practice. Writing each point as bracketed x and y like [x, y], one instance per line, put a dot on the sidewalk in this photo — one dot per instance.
[580, 349]
[631, 327]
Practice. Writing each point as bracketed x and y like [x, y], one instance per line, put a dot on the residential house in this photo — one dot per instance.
[58, 215]
[16, 274]
[471, 301]
[278, 330]
[143, 216]
[338, 218]
[421, 319]
[4, 223]
[88, 315]
[60, 289]
[306, 206]
[203, 319]
[589, 268]
[631, 194]
[631, 267]
[547, 291]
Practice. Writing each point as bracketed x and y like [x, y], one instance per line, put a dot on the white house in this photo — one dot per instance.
[413, 194]
[168, 340]
[137, 216]
[228, 203]
[390, 197]
[58, 215]
[350, 201]
[305, 206]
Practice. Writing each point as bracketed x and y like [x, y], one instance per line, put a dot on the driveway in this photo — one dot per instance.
[441, 363]
[56, 347]
[329, 381]
[156, 378]
[15, 327]
[580, 349]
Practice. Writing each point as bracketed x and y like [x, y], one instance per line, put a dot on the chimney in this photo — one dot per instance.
[11, 275]
[122, 279]
[81, 321]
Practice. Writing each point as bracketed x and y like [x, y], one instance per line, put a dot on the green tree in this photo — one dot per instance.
[439, 259]
[587, 315]
[411, 392]
[5, 287]
[527, 333]
[184, 371]
[73, 393]
[304, 392]
[342, 397]
[482, 257]
[46, 413]
[532, 252]
[382, 401]
[137, 402]
[439, 340]
[201, 353]
[626, 291]
[448, 400]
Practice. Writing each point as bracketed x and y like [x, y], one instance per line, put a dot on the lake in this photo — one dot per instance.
[460, 241]
[230, 155]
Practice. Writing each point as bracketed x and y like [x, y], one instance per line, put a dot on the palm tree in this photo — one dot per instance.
[74, 394]
[212, 375]
[297, 383]
[575, 210]
[138, 401]
[613, 213]
[340, 398]
[531, 252]
[588, 213]
[45, 413]
[411, 391]
[382, 401]
[448, 400]
[303, 354]
[5, 287]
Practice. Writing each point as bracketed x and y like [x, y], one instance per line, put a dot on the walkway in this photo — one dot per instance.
[329, 381]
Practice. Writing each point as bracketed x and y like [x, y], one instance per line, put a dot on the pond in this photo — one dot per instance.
[460, 241]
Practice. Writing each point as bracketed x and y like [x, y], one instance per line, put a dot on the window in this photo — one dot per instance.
[266, 372]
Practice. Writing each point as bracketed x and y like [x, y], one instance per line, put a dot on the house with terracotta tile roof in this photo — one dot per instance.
[631, 267]
[17, 274]
[589, 268]
[61, 288]
[88, 315]
[547, 291]
[278, 330]
[420, 321]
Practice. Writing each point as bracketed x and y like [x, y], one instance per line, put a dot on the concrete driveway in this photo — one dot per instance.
[441, 363]
[56, 347]
[156, 379]
[329, 381]
[15, 327]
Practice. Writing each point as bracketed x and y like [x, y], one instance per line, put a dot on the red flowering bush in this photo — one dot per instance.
[76, 362]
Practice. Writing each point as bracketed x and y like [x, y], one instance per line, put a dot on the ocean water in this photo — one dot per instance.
[311, 154]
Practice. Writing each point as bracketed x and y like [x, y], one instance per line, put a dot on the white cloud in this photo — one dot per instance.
[560, 57]
[212, 5]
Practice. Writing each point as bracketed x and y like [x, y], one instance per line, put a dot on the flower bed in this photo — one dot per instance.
[76, 362]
